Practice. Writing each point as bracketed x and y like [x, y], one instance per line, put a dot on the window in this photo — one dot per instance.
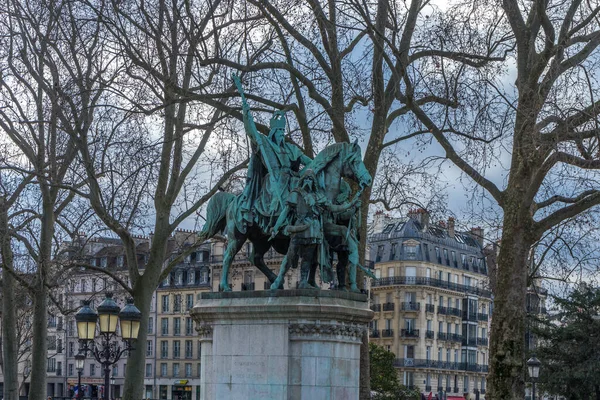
[94, 284]
[150, 325]
[390, 272]
[175, 370]
[179, 278]
[429, 325]
[188, 370]
[176, 349]
[437, 255]
[176, 326]
[191, 278]
[446, 256]
[199, 349]
[379, 253]
[439, 354]
[410, 252]
[466, 281]
[428, 353]
[163, 370]
[167, 281]
[463, 259]
[71, 349]
[441, 327]
[92, 369]
[189, 326]
[454, 258]
[103, 262]
[164, 326]
[165, 303]
[148, 370]
[189, 349]
[120, 260]
[115, 371]
[456, 356]
[177, 303]
[393, 251]
[51, 342]
[409, 379]
[466, 383]
[51, 367]
[448, 355]
[199, 369]
[164, 349]
[189, 301]
[70, 369]
[409, 351]
[149, 348]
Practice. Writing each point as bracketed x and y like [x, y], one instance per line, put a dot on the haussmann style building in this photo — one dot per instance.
[432, 303]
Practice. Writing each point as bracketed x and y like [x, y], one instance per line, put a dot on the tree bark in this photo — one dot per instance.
[134, 381]
[507, 343]
[39, 350]
[10, 348]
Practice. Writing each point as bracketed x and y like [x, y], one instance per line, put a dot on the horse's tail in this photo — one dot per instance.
[215, 214]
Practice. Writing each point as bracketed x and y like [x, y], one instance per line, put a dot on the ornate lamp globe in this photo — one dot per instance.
[130, 318]
[533, 365]
[79, 360]
[112, 380]
[86, 322]
[108, 313]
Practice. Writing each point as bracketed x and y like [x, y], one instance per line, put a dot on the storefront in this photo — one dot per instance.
[92, 387]
[181, 390]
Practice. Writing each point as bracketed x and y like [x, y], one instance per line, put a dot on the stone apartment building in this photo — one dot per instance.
[432, 303]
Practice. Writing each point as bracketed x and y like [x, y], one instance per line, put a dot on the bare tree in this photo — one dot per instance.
[547, 127]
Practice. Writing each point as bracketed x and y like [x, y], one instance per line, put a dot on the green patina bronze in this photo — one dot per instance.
[317, 214]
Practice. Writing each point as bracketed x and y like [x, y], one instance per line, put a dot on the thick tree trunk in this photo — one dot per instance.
[10, 346]
[507, 346]
[134, 374]
[39, 352]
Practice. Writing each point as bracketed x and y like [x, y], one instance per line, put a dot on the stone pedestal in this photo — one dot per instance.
[284, 345]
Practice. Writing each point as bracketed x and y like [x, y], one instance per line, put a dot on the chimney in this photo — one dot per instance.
[451, 232]
[379, 221]
[421, 216]
[477, 233]
[424, 219]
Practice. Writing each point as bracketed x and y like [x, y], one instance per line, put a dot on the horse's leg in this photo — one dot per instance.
[234, 244]
[259, 248]
[308, 260]
[290, 259]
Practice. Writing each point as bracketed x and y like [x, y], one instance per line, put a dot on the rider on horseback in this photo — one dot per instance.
[272, 157]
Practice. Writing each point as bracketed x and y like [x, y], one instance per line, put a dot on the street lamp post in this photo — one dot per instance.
[533, 365]
[79, 364]
[107, 351]
[112, 385]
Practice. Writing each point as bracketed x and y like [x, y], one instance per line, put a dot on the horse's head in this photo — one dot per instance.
[353, 166]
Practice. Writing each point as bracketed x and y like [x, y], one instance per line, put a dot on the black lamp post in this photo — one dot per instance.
[533, 365]
[79, 364]
[107, 352]
[112, 384]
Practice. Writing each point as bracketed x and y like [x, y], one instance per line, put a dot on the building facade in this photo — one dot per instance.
[432, 303]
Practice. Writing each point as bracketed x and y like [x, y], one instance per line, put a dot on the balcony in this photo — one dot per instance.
[248, 286]
[469, 341]
[455, 390]
[482, 317]
[429, 308]
[469, 316]
[429, 334]
[445, 365]
[442, 336]
[428, 388]
[423, 281]
[482, 342]
[453, 311]
[442, 310]
[387, 333]
[409, 333]
[388, 306]
[448, 389]
[376, 307]
[411, 306]
[455, 338]
[374, 333]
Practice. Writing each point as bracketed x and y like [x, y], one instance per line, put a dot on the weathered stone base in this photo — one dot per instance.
[284, 345]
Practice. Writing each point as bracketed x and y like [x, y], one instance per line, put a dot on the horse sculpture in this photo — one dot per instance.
[337, 161]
